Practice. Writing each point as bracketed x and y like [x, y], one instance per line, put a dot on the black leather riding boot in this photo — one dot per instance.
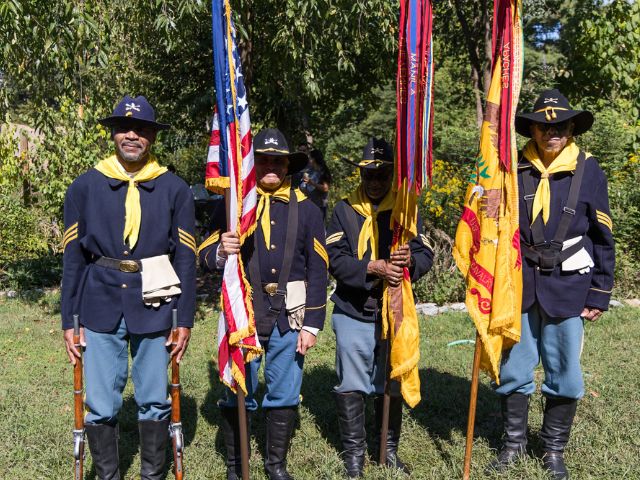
[154, 436]
[231, 433]
[103, 445]
[351, 420]
[280, 424]
[515, 416]
[556, 427]
[393, 436]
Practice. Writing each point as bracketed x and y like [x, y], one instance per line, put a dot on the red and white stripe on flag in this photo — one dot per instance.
[232, 167]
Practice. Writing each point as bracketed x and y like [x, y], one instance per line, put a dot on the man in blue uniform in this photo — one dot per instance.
[568, 251]
[358, 242]
[129, 260]
[287, 264]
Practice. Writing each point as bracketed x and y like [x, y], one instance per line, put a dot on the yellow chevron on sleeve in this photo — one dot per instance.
[211, 239]
[187, 235]
[188, 242]
[334, 237]
[68, 240]
[70, 231]
[604, 219]
[425, 241]
[320, 250]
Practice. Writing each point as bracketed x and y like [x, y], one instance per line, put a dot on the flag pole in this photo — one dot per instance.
[240, 397]
[472, 408]
[386, 404]
[244, 441]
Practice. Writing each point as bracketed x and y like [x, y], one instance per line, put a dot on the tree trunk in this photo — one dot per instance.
[488, 53]
[245, 46]
[477, 72]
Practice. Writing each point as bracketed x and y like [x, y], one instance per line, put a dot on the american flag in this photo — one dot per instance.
[230, 167]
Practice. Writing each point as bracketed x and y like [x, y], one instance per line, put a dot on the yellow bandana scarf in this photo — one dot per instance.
[565, 162]
[110, 167]
[369, 231]
[264, 206]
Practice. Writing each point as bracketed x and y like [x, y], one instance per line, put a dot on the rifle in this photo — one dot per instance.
[175, 427]
[78, 406]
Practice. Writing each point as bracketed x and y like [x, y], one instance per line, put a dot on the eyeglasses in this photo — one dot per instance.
[558, 127]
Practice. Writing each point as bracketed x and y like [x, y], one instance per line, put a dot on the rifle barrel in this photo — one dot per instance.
[174, 387]
[78, 406]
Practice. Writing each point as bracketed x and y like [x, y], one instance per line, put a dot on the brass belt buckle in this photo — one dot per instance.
[271, 288]
[129, 266]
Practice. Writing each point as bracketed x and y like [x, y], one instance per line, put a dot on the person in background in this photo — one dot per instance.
[316, 181]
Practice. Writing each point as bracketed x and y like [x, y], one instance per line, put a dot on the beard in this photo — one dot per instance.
[131, 157]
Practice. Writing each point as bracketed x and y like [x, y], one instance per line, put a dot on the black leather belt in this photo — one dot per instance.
[127, 266]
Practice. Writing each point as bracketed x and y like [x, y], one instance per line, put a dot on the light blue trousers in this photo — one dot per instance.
[282, 374]
[106, 363]
[360, 356]
[557, 342]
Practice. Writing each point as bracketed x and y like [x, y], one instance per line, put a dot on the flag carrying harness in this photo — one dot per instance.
[264, 323]
[547, 255]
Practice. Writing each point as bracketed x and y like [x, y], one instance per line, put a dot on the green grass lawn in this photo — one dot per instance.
[37, 417]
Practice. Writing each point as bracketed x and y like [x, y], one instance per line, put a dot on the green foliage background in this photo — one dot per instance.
[321, 70]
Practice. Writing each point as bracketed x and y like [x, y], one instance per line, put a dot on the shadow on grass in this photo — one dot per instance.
[129, 442]
[210, 410]
[443, 410]
[317, 397]
[445, 406]
[211, 413]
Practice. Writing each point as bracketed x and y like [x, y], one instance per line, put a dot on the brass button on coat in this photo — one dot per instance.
[124, 285]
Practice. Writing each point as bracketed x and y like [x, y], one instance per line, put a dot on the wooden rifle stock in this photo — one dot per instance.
[78, 406]
[175, 428]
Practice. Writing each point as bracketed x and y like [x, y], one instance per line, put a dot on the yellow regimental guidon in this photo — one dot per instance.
[604, 219]
[70, 235]
[187, 240]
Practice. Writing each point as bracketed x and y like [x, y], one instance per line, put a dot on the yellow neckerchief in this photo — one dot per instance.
[264, 203]
[369, 232]
[110, 167]
[565, 162]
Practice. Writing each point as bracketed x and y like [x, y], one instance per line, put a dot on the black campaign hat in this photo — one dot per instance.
[272, 142]
[377, 153]
[553, 107]
[133, 111]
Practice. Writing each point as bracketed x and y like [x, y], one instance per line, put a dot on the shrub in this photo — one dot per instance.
[443, 283]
